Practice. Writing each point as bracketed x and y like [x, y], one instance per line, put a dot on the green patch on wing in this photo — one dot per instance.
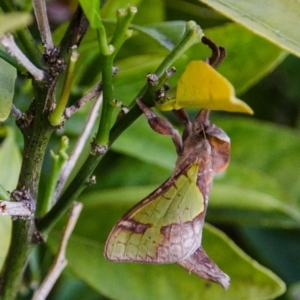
[177, 204]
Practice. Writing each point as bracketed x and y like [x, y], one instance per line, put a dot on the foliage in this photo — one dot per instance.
[256, 202]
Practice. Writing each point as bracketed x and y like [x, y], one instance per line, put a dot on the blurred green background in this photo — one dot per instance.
[256, 202]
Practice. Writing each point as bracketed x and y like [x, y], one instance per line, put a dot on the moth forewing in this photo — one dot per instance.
[165, 227]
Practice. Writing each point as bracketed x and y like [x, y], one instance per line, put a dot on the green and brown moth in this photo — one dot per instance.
[166, 226]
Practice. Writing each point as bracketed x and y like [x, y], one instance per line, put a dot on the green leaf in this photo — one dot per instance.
[234, 205]
[261, 283]
[12, 21]
[4, 195]
[5, 228]
[246, 196]
[10, 160]
[273, 150]
[132, 75]
[5, 233]
[269, 244]
[140, 141]
[168, 34]
[8, 76]
[127, 280]
[274, 20]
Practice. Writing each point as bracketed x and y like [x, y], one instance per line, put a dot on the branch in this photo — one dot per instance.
[60, 261]
[69, 165]
[218, 53]
[69, 111]
[43, 23]
[15, 209]
[75, 32]
[16, 112]
[12, 49]
[58, 159]
[56, 116]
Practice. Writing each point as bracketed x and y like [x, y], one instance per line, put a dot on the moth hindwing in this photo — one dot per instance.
[166, 226]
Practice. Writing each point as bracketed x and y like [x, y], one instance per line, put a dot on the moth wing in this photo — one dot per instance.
[200, 264]
[164, 227]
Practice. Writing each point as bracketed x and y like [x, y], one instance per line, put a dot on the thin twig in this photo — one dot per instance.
[15, 209]
[16, 112]
[13, 50]
[218, 53]
[43, 23]
[60, 261]
[77, 150]
[55, 117]
[69, 111]
[74, 33]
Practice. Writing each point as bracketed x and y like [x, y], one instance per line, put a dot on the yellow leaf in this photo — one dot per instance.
[202, 86]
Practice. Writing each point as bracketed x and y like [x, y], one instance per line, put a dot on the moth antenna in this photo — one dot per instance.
[203, 131]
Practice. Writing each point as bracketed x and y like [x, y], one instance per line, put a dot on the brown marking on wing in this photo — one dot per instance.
[134, 226]
[180, 239]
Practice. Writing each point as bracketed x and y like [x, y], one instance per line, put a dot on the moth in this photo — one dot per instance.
[166, 226]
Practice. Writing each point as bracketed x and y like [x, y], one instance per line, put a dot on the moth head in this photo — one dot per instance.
[217, 138]
[220, 148]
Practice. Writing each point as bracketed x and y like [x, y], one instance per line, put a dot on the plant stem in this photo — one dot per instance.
[74, 33]
[102, 136]
[124, 17]
[58, 159]
[60, 261]
[56, 117]
[36, 137]
[22, 230]
[43, 23]
[16, 260]
[77, 149]
[12, 48]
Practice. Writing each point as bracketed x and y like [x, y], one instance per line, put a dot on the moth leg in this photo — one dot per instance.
[160, 125]
[183, 117]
